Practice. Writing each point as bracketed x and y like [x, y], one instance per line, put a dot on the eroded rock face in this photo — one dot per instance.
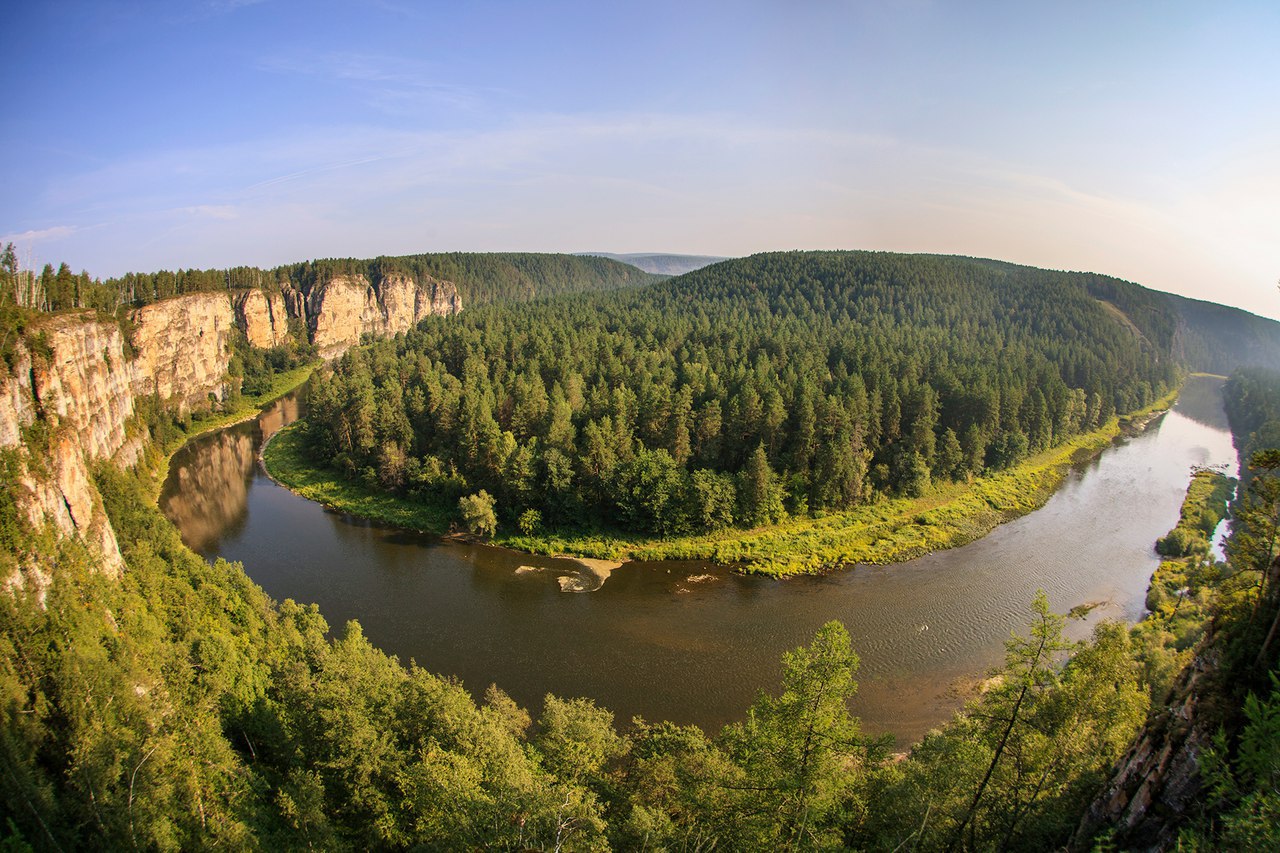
[184, 348]
[344, 308]
[60, 493]
[262, 318]
[1155, 783]
[82, 385]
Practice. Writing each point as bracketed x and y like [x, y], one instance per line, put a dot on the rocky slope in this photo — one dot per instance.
[342, 309]
[262, 317]
[1158, 779]
[74, 383]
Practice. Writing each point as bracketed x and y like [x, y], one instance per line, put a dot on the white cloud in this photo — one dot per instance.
[42, 235]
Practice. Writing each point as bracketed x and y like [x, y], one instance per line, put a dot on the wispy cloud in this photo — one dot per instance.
[42, 235]
[210, 211]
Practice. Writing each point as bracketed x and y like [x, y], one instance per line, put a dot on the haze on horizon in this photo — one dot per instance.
[1138, 140]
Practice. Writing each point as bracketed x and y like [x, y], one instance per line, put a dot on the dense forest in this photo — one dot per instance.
[178, 707]
[792, 383]
[481, 278]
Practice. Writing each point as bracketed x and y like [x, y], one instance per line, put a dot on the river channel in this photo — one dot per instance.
[690, 642]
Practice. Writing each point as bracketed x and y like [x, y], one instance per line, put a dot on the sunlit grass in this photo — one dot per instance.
[888, 531]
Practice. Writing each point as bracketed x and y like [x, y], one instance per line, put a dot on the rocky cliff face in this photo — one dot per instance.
[262, 318]
[1159, 777]
[75, 377]
[184, 348]
[341, 310]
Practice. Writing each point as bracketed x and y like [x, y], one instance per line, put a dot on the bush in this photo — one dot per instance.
[478, 514]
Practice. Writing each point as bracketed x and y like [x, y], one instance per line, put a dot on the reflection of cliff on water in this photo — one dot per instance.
[212, 490]
[206, 493]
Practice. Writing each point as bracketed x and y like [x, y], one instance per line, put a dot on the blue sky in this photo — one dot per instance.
[1136, 139]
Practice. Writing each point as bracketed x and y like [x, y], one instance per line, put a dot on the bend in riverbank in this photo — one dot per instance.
[888, 531]
[249, 407]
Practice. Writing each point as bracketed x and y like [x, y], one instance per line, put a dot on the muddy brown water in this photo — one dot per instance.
[688, 641]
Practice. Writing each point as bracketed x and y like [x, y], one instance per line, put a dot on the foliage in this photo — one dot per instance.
[1018, 766]
[477, 513]
[886, 531]
[788, 384]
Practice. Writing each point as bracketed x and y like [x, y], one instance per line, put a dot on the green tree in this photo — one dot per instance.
[760, 492]
[802, 751]
[477, 512]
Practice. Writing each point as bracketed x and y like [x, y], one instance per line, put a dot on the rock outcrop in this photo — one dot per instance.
[1158, 779]
[183, 348]
[262, 318]
[342, 309]
[78, 379]
[74, 375]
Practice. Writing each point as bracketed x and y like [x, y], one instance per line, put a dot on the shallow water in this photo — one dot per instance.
[690, 642]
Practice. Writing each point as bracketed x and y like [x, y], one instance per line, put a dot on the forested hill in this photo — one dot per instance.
[740, 393]
[485, 277]
[480, 278]
[1200, 335]
[661, 263]
[1219, 339]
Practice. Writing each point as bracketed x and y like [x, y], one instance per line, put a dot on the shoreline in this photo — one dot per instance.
[889, 531]
[292, 380]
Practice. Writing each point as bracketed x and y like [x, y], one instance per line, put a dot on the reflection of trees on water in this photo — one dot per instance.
[1201, 401]
[212, 489]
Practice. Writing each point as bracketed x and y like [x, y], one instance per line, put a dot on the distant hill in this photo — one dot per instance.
[661, 264]
[1201, 335]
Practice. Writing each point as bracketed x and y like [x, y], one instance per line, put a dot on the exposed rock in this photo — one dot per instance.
[346, 307]
[262, 318]
[184, 348]
[17, 403]
[1159, 777]
[65, 497]
[84, 386]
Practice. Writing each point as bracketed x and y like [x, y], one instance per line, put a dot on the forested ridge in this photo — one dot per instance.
[792, 383]
[480, 277]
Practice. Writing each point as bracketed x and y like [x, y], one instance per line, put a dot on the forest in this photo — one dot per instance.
[179, 707]
[481, 278]
[738, 395]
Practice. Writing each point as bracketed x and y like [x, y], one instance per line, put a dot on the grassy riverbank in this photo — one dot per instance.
[246, 407]
[888, 531]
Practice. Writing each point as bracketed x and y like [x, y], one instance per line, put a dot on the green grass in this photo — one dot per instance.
[888, 531]
[286, 461]
[248, 406]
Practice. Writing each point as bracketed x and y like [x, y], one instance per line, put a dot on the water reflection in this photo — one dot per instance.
[207, 492]
[693, 643]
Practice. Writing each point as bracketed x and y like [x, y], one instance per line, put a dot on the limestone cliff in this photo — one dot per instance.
[74, 382]
[183, 348]
[262, 318]
[74, 377]
[339, 311]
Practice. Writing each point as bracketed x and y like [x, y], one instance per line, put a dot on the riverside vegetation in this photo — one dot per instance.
[785, 412]
[176, 706]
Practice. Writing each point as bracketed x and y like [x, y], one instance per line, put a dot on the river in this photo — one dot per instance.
[689, 642]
